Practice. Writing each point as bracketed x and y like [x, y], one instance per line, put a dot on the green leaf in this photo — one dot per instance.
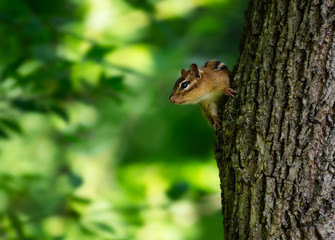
[75, 180]
[3, 134]
[105, 227]
[44, 52]
[27, 105]
[59, 238]
[97, 52]
[12, 125]
[142, 4]
[71, 138]
[10, 69]
[61, 113]
[17, 225]
[73, 214]
[87, 231]
[81, 200]
[178, 189]
[114, 82]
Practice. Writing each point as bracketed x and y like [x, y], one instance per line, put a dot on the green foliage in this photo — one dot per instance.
[90, 147]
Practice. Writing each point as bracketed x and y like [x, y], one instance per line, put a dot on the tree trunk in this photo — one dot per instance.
[276, 150]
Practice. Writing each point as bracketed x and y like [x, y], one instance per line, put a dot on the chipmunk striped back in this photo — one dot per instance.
[217, 65]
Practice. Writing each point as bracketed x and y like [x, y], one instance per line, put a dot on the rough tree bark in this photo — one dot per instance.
[276, 150]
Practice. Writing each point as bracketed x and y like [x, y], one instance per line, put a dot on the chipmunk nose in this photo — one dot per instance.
[172, 99]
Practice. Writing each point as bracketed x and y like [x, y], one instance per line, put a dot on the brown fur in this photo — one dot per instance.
[206, 85]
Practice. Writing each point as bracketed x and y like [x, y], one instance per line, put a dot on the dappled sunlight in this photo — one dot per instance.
[33, 154]
[55, 226]
[90, 147]
[114, 21]
[173, 8]
[79, 115]
[73, 47]
[137, 58]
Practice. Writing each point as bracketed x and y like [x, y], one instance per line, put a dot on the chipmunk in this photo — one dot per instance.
[204, 85]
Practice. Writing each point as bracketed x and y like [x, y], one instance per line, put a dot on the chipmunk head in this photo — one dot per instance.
[186, 89]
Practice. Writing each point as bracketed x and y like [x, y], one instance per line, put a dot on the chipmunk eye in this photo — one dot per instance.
[184, 85]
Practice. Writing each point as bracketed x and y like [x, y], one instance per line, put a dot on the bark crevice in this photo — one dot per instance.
[276, 150]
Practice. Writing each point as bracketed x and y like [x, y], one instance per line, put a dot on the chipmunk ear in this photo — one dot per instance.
[194, 70]
[183, 73]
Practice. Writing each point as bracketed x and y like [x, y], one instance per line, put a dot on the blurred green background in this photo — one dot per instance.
[91, 148]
